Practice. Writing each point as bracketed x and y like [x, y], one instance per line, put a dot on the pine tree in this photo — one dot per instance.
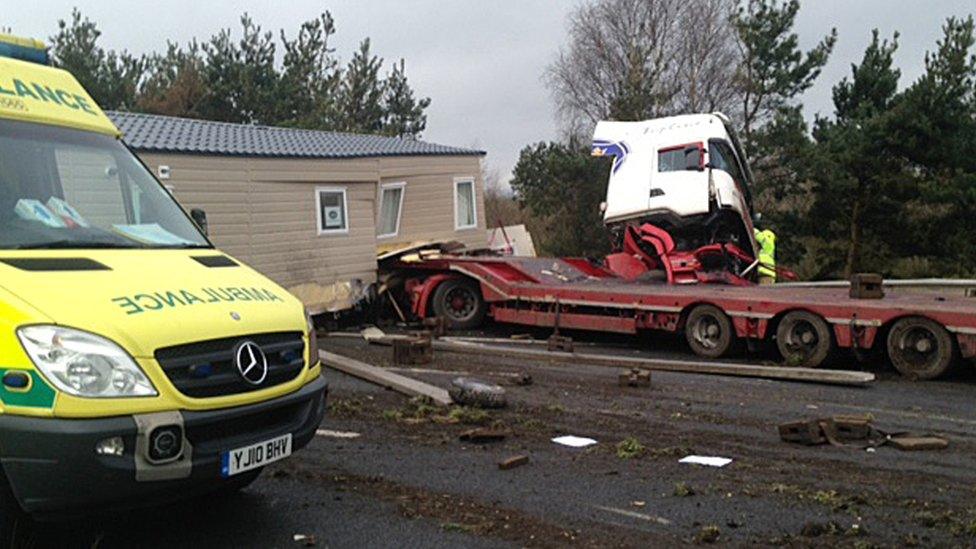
[175, 84]
[361, 93]
[857, 184]
[310, 77]
[773, 70]
[112, 78]
[403, 115]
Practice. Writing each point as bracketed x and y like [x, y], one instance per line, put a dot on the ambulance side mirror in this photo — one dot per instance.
[200, 218]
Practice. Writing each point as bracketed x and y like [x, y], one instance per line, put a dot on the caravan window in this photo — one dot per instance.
[391, 206]
[331, 202]
[465, 215]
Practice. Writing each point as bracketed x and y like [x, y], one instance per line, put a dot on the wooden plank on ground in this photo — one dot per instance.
[809, 375]
[385, 378]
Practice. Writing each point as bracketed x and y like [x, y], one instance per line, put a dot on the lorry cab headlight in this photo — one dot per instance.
[84, 364]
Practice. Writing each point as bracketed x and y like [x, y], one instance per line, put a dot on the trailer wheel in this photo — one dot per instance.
[920, 348]
[709, 331]
[804, 339]
[460, 302]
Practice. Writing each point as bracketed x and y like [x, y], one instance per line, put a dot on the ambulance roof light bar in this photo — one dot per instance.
[25, 49]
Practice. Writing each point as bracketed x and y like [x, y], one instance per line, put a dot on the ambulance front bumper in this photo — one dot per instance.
[53, 469]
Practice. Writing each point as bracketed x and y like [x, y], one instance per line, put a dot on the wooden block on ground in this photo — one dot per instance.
[513, 462]
[802, 432]
[412, 351]
[852, 427]
[919, 443]
[562, 344]
[482, 435]
[635, 377]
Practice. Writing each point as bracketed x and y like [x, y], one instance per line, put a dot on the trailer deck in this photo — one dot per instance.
[575, 293]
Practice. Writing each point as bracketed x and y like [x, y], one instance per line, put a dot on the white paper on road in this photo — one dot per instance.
[711, 461]
[574, 441]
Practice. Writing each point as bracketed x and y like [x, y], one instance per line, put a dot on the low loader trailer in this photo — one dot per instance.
[923, 335]
[679, 210]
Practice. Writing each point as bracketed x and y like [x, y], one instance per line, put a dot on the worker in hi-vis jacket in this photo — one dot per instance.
[767, 255]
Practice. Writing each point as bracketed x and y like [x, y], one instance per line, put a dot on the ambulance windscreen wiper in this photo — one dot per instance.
[78, 245]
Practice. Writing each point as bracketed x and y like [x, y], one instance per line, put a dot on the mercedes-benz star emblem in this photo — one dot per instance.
[251, 362]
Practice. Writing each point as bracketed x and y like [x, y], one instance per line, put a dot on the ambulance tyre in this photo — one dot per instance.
[14, 522]
[460, 302]
[709, 332]
[804, 339]
[920, 348]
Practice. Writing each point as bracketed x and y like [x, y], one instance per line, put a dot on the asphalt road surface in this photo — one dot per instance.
[390, 472]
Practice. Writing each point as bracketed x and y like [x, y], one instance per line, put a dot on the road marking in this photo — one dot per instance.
[336, 434]
[634, 514]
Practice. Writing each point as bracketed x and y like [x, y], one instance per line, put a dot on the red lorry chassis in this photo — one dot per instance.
[923, 333]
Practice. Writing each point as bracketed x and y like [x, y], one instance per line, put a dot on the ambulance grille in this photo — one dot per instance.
[207, 369]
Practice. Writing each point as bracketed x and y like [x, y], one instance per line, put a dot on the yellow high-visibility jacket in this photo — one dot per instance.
[767, 252]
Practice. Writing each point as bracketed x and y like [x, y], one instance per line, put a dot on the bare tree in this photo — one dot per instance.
[637, 59]
[709, 58]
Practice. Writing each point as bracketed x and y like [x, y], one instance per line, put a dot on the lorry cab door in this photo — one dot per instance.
[630, 168]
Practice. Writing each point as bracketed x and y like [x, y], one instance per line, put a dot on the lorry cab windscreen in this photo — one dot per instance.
[63, 188]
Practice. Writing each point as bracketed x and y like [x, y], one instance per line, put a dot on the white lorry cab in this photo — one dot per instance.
[686, 174]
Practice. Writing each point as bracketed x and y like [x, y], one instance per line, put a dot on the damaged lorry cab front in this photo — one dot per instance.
[139, 363]
[685, 174]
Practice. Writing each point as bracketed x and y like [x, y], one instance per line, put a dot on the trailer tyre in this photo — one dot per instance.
[709, 331]
[920, 348]
[460, 302]
[804, 339]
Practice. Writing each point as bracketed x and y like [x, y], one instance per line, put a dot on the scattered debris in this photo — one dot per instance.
[372, 333]
[468, 416]
[634, 514]
[635, 377]
[513, 462]
[305, 540]
[711, 461]
[473, 392]
[521, 379]
[630, 448]
[813, 529]
[574, 441]
[683, 490]
[835, 430]
[384, 378]
[336, 434]
[857, 431]
[481, 435]
[708, 534]
[558, 343]
[912, 443]
[413, 350]
[436, 326]
[638, 503]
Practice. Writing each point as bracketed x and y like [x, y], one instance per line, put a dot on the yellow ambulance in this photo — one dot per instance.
[138, 363]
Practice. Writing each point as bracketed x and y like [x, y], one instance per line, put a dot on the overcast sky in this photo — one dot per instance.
[480, 62]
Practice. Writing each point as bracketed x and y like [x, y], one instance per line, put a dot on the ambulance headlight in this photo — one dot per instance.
[84, 364]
